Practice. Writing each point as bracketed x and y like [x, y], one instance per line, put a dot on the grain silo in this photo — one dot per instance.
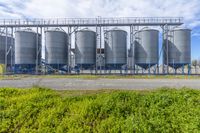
[56, 48]
[146, 48]
[115, 48]
[85, 48]
[27, 52]
[10, 46]
[178, 51]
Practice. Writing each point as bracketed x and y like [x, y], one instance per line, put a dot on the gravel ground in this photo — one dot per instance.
[80, 84]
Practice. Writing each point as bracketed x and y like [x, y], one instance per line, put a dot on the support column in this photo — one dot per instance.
[158, 68]
[167, 44]
[12, 50]
[37, 52]
[132, 49]
[6, 50]
[189, 69]
[98, 42]
[183, 69]
[149, 69]
[69, 49]
[165, 49]
[133, 30]
[45, 63]
[100, 52]
[40, 47]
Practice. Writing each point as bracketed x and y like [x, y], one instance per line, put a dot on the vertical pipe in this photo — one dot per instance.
[189, 69]
[149, 68]
[174, 67]
[45, 63]
[163, 49]
[142, 70]
[6, 49]
[40, 47]
[183, 69]
[135, 38]
[158, 69]
[12, 47]
[96, 47]
[172, 36]
[37, 45]
[131, 49]
[69, 49]
[167, 43]
[103, 56]
[100, 50]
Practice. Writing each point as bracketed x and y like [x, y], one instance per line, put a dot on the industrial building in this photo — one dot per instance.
[101, 46]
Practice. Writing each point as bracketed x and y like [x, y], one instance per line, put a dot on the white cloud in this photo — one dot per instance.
[106, 8]
[195, 34]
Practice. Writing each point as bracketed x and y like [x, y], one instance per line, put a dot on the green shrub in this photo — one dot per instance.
[44, 110]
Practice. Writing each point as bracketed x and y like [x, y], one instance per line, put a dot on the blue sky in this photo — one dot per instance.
[190, 10]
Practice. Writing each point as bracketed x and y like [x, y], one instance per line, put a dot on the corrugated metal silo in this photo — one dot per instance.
[85, 48]
[10, 44]
[56, 50]
[115, 48]
[146, 48]
[179, 48]
[26, 50]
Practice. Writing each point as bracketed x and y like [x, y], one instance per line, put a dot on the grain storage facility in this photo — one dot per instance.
[115, 48]
[146, 48]
[10, 45]
[56, 48]
[27, 43]
[85, 48]
[74, 47]
[178, 52]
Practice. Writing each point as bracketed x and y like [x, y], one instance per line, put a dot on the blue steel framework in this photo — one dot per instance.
[74, 23]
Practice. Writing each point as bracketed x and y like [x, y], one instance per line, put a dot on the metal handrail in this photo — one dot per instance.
[92, 21]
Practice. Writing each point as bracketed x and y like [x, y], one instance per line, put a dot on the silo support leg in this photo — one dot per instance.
[183, 70]
[157, 69]
[189, 69]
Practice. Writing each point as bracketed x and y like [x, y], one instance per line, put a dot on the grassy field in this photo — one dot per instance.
[18, 77]
[43, 110]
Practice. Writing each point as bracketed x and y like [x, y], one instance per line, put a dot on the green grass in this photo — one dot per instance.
[94, 77]
[44, 110]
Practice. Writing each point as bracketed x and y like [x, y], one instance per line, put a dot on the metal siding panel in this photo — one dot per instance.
[116, 47]
[179, 47]
[56, 50]
[85, 47]
[25, 47]
[146, 47]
